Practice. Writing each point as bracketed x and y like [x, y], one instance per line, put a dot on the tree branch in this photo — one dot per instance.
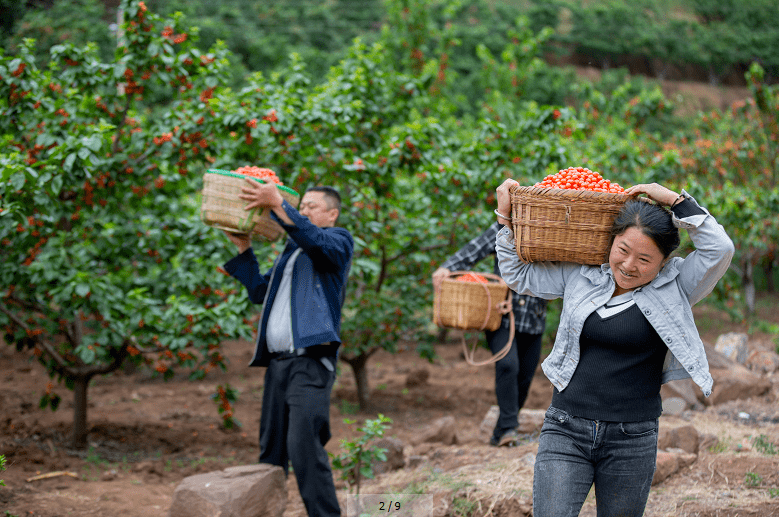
[62, 365]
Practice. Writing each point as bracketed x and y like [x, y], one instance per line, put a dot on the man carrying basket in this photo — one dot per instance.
[515, 371]
[299, 333]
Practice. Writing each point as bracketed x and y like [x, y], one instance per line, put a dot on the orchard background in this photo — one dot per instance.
[416, 113]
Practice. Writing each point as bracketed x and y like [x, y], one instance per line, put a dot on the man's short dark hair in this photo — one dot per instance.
[332, 197]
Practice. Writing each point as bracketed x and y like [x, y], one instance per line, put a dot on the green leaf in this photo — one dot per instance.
[68, 164]
[82, 290]
[93, 142]
[56, 185]
[87, 354]
[17, 181]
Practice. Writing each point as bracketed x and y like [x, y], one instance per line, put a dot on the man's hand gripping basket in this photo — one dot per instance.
[222, 208]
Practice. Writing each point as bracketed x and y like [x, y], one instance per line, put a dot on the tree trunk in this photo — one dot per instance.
[769, 273]
[79, 437]
[359, 366]
[748, 281]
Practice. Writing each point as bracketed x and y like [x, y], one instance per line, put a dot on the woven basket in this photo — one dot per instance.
[470, 305]
[222, 208]
[563, 225]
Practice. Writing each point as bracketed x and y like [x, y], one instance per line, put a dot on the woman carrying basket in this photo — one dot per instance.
[626, 327]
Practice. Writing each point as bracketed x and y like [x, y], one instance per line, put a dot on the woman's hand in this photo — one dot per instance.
[504, 198]
[655, 192]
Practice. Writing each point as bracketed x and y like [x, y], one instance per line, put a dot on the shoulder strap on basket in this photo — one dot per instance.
[469, 354]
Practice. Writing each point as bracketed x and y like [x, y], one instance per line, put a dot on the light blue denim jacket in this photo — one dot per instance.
[666, 301]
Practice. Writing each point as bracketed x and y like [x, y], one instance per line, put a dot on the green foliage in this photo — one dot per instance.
[101, 241]
[2, 467]
[358, 456]
[753, 480]
[224, 398]
[77, 22]
[763, 445]
[721, 37]
[263, 34]
[464, 507]
[415, 126]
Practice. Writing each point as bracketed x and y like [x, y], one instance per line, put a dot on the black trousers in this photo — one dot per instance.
[513, 374]
[295, 426]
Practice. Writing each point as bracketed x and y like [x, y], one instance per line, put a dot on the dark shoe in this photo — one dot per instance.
[507, 439]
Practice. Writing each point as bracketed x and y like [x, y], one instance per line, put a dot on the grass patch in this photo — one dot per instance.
[764, 446]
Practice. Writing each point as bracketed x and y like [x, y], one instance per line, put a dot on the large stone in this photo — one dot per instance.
[395, 458]
[531, 420]
[763, 361]
[490, 420]
[707, 441]
[442, 430]
[684, 389]
[736, 383]
[674, 406]
[683, 458]
[733, 345]
[716, 359]
[243, 491]
[667, 465]
[685, 438]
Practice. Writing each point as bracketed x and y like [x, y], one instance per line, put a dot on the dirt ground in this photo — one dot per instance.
[146, 435]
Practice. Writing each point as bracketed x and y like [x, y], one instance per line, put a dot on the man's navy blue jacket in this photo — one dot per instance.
[318, 282]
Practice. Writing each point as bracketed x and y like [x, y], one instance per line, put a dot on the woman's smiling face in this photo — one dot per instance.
[635, 260]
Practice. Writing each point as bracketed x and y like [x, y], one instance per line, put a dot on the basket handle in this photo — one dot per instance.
[469, 354]
[502, 306]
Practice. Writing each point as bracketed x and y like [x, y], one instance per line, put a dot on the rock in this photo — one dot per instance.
[684, 438]
[736, 383]
[685, 389]
[417, 377]
[763, 361]
[531, 420]
[706, 441]
[674, 406]
[441, 430]
[733, 345]
[243, 491]
[663, 439]
[683, 458]
[109, 475]
[415, 460]
[395, 459]
[716, 358]
[667, 465]
[490, 420]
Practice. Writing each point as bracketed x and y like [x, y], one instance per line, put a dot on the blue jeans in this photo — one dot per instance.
[573, 453]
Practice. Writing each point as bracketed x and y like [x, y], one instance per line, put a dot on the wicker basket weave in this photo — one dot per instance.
[563, 225]
[470, 305]
[222, 208]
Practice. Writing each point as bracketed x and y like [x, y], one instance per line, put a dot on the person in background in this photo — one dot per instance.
[299, 333]
[515, 371]
[626, 327]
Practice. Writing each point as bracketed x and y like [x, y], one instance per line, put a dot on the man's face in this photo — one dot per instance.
[314, 206]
